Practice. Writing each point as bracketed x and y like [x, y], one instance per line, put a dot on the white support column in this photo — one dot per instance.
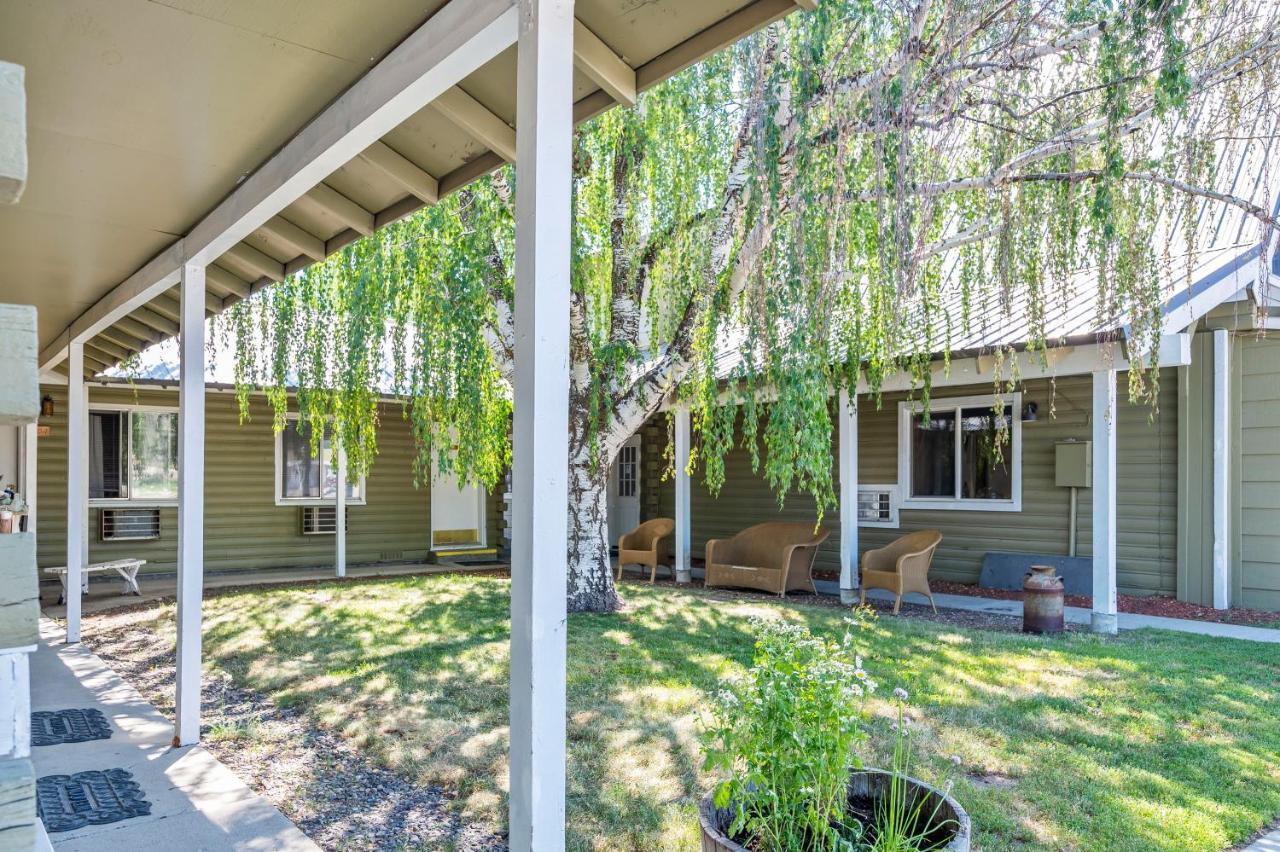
[539, 570]
[848, 498]
[30, 455]
[683, 522]
[1221, 469]
[340, 516]
[1104, 501]
[190, 505]
[77, 483]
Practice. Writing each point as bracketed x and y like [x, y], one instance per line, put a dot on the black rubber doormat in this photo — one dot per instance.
[55, 727]
[94, 797]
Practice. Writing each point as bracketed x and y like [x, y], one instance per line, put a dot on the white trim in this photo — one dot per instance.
[1054, 362]
[191, 429]
[895, 503]
[30, 476]
[848, 426]
[1104, 619]
[1221, 468]
[77, 484]
[340, 515]
[306, 501]
[908, 408]
[128, 502]
[683, 521]
[540, 450]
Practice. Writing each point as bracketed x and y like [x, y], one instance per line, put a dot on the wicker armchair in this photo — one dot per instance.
[901, 567]
[773, 557]
[645, 545]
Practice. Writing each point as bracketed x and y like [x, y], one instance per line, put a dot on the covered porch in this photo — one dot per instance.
[273, 139]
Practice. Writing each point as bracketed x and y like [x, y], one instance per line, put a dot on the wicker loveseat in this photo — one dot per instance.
[647, 545]
[773, 557]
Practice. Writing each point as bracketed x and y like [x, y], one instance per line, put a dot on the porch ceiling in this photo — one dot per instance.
[144, 118]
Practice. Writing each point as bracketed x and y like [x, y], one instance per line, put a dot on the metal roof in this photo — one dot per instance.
[147, 116]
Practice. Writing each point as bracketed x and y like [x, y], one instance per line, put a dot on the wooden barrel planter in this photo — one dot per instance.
[948, 829]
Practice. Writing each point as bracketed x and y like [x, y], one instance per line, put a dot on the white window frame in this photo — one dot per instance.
[129, 502]
[278, 487]
[895, 501]
[906, 412]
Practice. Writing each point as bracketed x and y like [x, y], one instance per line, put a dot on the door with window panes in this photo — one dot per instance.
[624, 491]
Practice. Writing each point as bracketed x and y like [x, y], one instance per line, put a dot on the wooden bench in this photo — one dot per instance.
[126, 568]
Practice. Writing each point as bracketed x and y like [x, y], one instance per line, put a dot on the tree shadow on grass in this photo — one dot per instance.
[416, 671]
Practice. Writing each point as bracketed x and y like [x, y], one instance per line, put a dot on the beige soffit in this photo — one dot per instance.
[143, 119]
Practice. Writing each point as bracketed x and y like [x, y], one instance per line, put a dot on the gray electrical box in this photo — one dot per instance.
[1073, 464]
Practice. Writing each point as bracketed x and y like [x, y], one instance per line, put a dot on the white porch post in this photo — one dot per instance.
[1221, 469]
[190, 504]
[29, 457]
[77, 483]
[683, 523]
[540, 448]
[1104, 501]
[848, 498]
[340, 516]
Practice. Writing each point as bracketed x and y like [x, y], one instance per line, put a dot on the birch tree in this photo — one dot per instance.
[838, 197]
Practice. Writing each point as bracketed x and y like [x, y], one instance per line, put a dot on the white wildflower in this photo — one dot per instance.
[900, 693]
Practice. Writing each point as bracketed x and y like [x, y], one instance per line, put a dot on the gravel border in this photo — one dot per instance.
[333, 792]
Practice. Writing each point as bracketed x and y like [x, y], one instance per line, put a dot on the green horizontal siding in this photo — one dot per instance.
[1257, 472]
[1146, 498]
[244, 529]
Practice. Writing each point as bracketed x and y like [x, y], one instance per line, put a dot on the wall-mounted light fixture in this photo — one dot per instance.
[1030, 412]
[46, 406]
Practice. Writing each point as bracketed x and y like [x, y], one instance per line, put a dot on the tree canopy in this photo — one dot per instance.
[840, 197]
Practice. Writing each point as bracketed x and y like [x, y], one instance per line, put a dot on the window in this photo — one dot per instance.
[965, 454]
[628, 464]
[306, 479]
[133, 455]
[877, 506]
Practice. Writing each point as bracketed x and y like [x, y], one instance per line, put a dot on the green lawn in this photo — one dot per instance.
[1149, 741]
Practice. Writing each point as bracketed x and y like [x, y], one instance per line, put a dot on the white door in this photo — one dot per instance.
[457, 513]
[624, 491]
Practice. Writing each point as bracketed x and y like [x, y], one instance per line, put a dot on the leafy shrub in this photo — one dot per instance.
[786, 736]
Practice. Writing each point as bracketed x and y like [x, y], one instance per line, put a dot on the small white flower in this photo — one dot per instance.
[955, 759]
[900, 693]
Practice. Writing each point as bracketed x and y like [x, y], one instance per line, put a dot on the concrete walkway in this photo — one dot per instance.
[1269, 842]
[1079, 615]
[196, 802]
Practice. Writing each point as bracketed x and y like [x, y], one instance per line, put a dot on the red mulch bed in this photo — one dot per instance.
[1161, 605]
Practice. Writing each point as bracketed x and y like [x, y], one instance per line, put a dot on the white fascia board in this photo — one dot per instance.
[1174, 351]
[453, 43]
[1218, 286]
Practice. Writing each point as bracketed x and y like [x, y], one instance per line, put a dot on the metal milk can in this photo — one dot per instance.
[1042, 600]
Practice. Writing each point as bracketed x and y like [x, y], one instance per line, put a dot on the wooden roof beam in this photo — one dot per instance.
[328, 200]
[403, 171]
[115, 350]
[300, 241]
[598, 61]
[228, 282]
[125, 341]
[248, 256]
[170, 304]
[129, 325]
[94, 364]
[476, 119]
[154, 320]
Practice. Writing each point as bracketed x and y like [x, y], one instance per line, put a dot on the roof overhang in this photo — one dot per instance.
[259, 138]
